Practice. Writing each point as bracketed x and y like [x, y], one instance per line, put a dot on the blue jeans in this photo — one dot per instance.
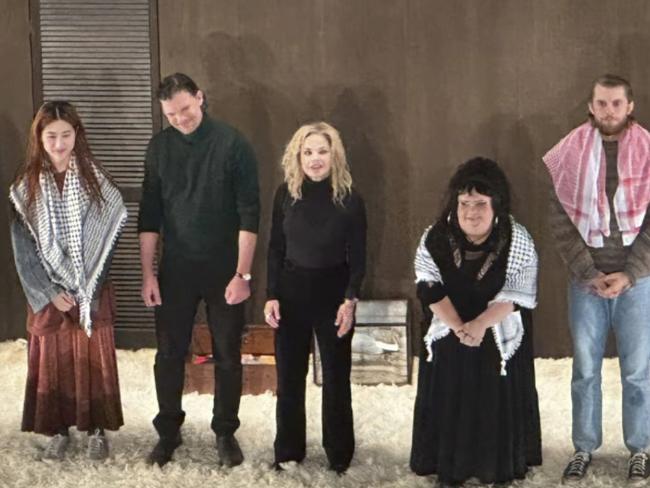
[590, 318]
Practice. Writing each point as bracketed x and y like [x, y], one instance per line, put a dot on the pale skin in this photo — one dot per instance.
[183, 111]
[475, 217]
[610, 108]
[237, 289]
[316, 164]
[609, 285]
[471, 333]
[58, 139]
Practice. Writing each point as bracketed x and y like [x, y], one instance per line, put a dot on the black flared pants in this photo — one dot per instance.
[309, 300]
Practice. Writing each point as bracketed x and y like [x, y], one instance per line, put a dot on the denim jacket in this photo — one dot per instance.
[37, 285]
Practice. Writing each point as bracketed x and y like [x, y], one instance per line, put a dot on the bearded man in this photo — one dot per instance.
[598, 215]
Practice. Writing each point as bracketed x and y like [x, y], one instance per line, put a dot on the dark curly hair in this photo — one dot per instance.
[485, 177]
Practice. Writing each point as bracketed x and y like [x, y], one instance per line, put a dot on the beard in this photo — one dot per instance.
[606, 128]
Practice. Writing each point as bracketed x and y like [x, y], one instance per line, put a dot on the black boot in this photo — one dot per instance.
[229, 452]
[163, 450]
[338, 468]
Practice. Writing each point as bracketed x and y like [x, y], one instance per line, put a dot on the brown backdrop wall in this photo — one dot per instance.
[15, 114]
[415, 87]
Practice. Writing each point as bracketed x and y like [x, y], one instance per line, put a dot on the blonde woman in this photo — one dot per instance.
[316, 263]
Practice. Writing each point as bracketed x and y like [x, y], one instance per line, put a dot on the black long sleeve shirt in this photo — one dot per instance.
[314, 232]
[201, 189]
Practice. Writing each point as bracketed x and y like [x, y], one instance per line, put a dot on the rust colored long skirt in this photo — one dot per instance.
[71, 378]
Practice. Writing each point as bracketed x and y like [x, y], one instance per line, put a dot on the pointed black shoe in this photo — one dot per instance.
[163, 450]
[339, 469]
[229, 452]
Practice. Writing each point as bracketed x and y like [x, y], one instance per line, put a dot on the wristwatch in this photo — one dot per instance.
[245, 276]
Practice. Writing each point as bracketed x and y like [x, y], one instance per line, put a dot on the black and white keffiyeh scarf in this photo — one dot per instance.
[520, 287]
[73, 236]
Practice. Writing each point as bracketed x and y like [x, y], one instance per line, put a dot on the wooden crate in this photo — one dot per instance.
[381, 351]
[257, 339]
[258, 361]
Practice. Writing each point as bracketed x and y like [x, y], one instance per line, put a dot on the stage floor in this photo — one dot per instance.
[382, 416]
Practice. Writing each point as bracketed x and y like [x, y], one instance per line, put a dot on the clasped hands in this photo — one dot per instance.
[609, 285]
[470, 333]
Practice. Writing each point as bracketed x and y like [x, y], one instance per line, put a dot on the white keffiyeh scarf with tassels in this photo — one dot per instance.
[74, 237]
[520, 287]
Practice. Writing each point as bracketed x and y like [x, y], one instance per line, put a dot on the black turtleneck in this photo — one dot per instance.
[314, 232]
[200, 189]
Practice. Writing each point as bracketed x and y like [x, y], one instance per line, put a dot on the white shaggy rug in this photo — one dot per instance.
[382, 416]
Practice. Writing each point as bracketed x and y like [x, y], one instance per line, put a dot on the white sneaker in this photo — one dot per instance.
[97, 446]
[55, 449]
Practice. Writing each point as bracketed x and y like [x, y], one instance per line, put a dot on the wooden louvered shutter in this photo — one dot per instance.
[101, 55]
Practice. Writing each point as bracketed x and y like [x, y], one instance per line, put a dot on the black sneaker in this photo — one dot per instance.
[229, 452]
[638, 469]
[163, 450]
[577, 468]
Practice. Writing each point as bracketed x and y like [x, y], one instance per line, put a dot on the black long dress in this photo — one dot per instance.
[470, 421]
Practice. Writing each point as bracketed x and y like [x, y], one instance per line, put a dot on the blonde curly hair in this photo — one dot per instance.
[340, 175]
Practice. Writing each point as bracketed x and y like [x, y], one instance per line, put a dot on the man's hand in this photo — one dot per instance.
[597, 285]
[150, 291]
[616, 283]
[610, 285]
[237, 291]
[63, 301]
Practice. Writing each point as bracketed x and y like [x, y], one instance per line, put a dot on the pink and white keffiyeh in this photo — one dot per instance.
[577, 166]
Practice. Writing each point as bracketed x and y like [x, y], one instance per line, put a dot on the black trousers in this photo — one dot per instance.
[182, 285]
[309, 300]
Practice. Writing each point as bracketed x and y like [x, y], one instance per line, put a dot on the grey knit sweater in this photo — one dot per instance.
[585, 262]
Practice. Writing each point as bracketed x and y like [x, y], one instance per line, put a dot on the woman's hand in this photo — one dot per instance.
[473, 333]
[345, 317]
[64, 301]
[272, 313]
[458, 329]
[463, 334]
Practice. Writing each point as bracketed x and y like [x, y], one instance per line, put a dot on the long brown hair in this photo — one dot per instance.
[37, 156]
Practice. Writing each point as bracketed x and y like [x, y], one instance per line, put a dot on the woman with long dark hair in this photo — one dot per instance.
[69, 215]
[476, 411]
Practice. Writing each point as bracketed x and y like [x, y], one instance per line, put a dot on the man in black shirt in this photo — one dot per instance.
[200, 188]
